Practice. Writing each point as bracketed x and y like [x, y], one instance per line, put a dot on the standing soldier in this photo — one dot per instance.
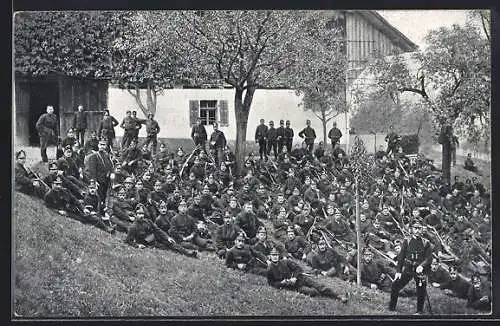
[309, 136]
[107, 128]
[138, 124]
[272, 140]
[260, 138]
[99, 167]
[334, 134]
[288, 137]
[454, 144]
[48, 130]
[129, 126]
[392, 140]
[152, 129]
[413, 262]
[80, 124]
[199, 134]
[280, 134]
[217, 143]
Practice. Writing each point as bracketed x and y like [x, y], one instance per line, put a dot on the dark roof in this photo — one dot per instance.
[390, 31]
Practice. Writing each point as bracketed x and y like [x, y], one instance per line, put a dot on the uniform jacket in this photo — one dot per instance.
[128, 123]
[181, 226]
[272, 134]
[308, 133]
[47, 125]
[283, 269]
[198, 133]
[79, 120]
[327, 259]
[334, 133]
[235, 256]
[152, 127]
[261, 132]
[62, 199]
[107, 125]
[22, 178]
[217, 139]
[99, 166]
[297, 246]
[225, 235]
[414, 252]
[248, 222]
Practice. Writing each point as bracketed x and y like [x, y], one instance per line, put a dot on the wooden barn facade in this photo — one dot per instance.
[33, 94]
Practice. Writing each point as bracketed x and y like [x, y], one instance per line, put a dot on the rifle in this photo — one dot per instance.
[37, 177]
[445, 246]
[383, 255]
[334, 238]
[187, 160]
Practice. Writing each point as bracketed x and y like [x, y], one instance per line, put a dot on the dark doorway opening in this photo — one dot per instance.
[42, 93]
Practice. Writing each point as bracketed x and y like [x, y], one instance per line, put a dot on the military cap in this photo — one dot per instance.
[240, 236]
[274, 251]
[129, 180]
[58, 180]
[163, 204]
[182, 202]
[337, 211]
[122, 190]
[103, 140]
[281, 122]
[367, 250]
[68, 148]
[290, 229]
[92, 185]
[157, 182]
[288, 122]
[206, 187]
[322, 241]
[53, 166]
[233, 198]
[261, 229]
[417, 224]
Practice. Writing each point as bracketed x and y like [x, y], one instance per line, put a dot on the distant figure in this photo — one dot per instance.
[129, 126]
[309, 136]
[288, 136]
[217, 143]
[48, 130]
[199, 134]
[80, 124]
[261, 139]
[106, 130]
[334, 134]
[454, 145]
[392, 140]
[469, 164]
[152, 130]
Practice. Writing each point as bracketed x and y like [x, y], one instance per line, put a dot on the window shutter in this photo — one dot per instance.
[194, 109]
[223, 113]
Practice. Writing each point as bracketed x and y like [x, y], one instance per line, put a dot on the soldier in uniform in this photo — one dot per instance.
[129, 126]
[131, 156]
[392, 140]
[184, 230]
[334, 134]
[329, 262]
[375, 273]
[138, 124]
[248, 221]
[457, 286]
[479, 294]
[309, 136]
[288, 136]
[48, 130]
[107, 129]
[199, 134]
[438, 276]
[272, 140]
[144, 232]
[226, 235]
[261, 139]
[217, 143]
[280, 137]
[91, 145]
[99, 167]
[152, 131]
[80, 124]
[296, 245]
[413, 262]
[25, 181]
[287, 274]
[66, 204]
[123, 211]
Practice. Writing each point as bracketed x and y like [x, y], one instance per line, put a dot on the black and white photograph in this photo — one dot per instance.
[251, 163]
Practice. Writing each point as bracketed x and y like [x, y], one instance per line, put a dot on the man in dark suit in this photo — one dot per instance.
[261, 139]
[199, 134]
[309, 136]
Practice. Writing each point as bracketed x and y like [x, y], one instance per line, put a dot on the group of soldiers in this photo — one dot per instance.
[290, 218]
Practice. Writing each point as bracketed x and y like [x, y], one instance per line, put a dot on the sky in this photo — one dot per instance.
[415, 24]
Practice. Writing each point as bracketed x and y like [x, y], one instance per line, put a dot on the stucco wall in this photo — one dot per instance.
[173, 111]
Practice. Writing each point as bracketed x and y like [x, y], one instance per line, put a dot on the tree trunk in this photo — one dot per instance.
[358, 236]
[323, 121]
[242, 110]
[446, 134]
[150, 100]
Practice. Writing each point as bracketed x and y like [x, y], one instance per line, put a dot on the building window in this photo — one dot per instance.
[208, 112]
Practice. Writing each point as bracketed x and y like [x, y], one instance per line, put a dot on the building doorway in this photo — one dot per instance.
[42, 93]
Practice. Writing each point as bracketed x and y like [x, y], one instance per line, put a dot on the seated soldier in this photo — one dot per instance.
[226, 234]
[328, 262]
[27, 182]
[479, 294]
[458, 286]
[287, 274]
[375, 273]
[123, 211]
[184, 230]
[248, 221]
[92, 205]
[262, 246]
[296, 245]
[438, 276]
[144, 232]
[469, 164]
[242, 257]
[66, 204]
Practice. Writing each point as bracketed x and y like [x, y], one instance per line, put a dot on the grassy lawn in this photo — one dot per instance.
[66, 269]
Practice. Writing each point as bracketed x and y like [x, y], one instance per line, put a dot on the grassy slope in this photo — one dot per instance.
[65, 268]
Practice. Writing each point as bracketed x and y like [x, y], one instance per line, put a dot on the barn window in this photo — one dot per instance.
[209, 111]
